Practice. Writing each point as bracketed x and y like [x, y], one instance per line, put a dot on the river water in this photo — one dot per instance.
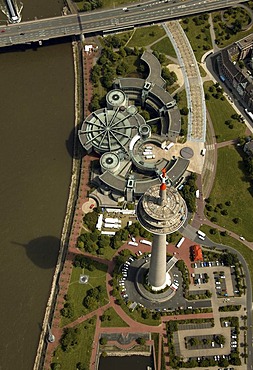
[37, 116]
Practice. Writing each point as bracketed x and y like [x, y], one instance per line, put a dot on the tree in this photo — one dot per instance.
[90, 219]
[69, 338]
[223, 233]
[122, 69]
[95, 103]
[95, 74]
[141, 341]
[184, 111]
[193, 341]
[220, 339]
[236, 220]
[67, 310]
[90, 302]
[80, 366]
[213, 231]
[55, 366]
[103, 341]
[224, 362]
[86, 6]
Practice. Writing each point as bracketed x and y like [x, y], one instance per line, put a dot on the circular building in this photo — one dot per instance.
[164, 217]
[109, 162]
[115, 99]
[106, 130]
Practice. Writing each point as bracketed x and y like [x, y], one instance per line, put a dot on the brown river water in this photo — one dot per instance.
[36, 120]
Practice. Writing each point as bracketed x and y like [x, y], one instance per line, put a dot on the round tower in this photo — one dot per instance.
[161, 210]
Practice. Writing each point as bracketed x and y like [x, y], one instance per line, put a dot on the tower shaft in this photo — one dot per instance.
[157, 270]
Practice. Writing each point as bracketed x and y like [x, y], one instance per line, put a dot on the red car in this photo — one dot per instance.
[92, 206]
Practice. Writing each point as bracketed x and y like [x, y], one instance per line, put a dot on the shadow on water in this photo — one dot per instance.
[42, 251]
[35, 45]
[76, 151]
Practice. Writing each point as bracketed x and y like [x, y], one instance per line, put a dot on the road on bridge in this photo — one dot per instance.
[106, 20]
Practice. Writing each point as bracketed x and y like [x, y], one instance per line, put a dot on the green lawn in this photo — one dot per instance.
[220, 111]
[198, 35]
[80, 352]
[246, 252]
[116, 3]
[202, 71]
[231, 185]
[181, 103]
[145, 36]
[224, 36]
[164, 46]
[125, 36]
[77, 291]
[115, 319]
[136, 316]
[239, 13]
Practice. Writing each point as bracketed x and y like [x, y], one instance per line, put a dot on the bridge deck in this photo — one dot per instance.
[102, 20]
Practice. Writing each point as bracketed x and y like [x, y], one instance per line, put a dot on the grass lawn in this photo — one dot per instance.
[132, 62]
[116, 3]
[79, 353]
[246, 252]
[145, 36]
[231, 184]
[77, 291]
[115, 320]
[182, 101]
[125, 36]
[164, 46]
[224, 35]
[220, 111]
[202, 71]
[136, 316]
[198, 35]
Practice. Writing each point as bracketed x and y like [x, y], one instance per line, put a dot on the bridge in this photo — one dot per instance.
[106, 20]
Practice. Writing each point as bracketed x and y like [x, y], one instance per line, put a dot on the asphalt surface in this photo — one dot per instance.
[104, 20]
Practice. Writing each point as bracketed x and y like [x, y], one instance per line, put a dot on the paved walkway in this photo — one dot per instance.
[67, 268]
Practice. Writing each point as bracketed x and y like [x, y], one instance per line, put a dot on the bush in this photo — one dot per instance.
[55, 366]
[223, 233]
[141, 341]
[236, 220]
[103, 341]
[69, 338]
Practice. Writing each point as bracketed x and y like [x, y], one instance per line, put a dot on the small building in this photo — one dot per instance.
[88, 48]
[196, 253]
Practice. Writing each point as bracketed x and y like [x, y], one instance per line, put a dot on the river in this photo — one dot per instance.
[37, 116]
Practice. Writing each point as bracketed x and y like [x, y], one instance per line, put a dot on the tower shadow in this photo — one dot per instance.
[42, 251]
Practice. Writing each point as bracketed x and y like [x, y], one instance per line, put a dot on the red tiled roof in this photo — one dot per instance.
[197, 253]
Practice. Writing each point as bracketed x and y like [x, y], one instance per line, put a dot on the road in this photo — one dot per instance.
[105, 20]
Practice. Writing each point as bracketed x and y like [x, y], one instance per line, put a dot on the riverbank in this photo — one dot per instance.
[70, 209]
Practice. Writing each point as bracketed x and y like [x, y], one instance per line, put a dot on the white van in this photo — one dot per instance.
[201, 235]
